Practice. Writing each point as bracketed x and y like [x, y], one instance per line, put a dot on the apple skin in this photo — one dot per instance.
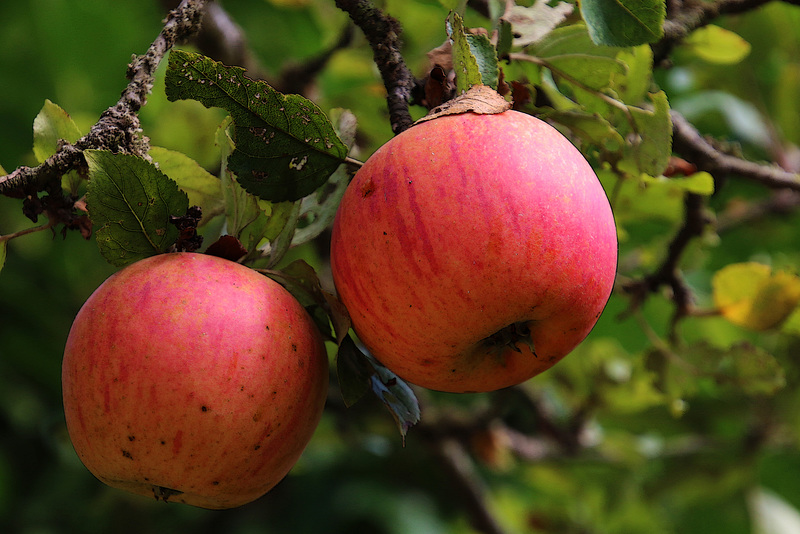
[464, 225]
[196, 374]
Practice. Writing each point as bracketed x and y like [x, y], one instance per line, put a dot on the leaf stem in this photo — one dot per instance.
[9, 237]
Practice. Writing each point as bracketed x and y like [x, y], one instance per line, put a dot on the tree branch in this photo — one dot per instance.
[383, 34]
[669, 273]
[688, 142]
[118, 127]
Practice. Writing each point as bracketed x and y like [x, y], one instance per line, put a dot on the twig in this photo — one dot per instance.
[688, 142]
[669, 274]
[383, 34]
[118, 127]
[26, 231]
[296, 78]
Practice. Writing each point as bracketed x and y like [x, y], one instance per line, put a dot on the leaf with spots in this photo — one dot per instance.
[131, 202]
[285, 145]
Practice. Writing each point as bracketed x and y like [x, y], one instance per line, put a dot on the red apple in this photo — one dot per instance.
[474, 251]
[193, 379]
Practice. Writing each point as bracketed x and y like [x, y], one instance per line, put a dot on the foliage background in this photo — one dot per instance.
[618, 453]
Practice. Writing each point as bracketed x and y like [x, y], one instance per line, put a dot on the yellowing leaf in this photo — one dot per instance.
[752, 296]
[718, 45]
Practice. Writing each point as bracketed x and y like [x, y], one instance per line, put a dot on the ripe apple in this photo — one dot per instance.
[194, 379]
[474, 251]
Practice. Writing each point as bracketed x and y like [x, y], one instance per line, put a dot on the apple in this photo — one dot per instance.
[474, 251]
[192, 379]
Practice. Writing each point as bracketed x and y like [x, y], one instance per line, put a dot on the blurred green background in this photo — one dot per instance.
[652, 464]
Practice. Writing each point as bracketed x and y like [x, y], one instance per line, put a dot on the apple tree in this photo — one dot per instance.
[257, 131]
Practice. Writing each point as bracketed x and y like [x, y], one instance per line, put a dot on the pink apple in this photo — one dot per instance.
[465, 240]
[193, 379]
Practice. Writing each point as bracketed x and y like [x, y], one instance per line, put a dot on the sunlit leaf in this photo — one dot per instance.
[592, 128]
[624, 22]
[203, 188]
[717, 45]
[50, 126]
[634, 83]
[474, 58]
[130, 202]
[571, 55]
[530, 24]
[652, 146]
[751, 295]
[285, 147]
[771, 514]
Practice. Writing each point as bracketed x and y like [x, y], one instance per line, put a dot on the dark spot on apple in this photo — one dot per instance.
[215, 483]
[367, 188]
[127, 454]
[163, 442]
[294, 347]
[256, 447]
[131, 438]
[204, 408]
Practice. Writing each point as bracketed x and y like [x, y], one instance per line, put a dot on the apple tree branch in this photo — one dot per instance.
[118, 128]
[383, 34]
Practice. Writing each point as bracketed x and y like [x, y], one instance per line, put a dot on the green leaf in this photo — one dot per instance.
[354, 366]
[592, 128]
[751, 295]
[353, 372]
[318, 210]
[634, 83]
[652, 144]
[285, 147]
[51, 125]
[624, 22]
[699, 183]
[717, 45]
[754, 370]
[531, 24]
[203, 188]
[264, 228]
[570, 54]
[131, 202]
[301, 279]
[474, 59]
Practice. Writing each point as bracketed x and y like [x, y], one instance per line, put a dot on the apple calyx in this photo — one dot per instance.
[160, 492]
[480, 99]
[509, 337]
